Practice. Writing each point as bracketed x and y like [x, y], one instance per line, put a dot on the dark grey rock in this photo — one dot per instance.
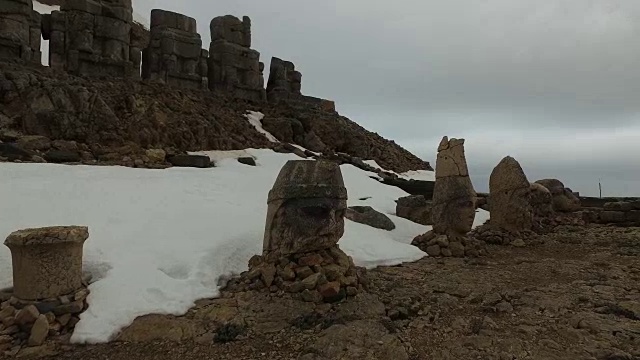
[247, 161]
[197, 161]
[62, 156]
[369, 216]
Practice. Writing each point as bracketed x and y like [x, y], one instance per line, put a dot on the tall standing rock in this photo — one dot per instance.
[510, 197]
[454, 208]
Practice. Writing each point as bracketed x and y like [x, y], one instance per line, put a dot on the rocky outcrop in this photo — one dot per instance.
[117, 120]
[564, 200]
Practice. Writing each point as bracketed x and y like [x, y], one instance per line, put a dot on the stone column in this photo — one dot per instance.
[47, 262]
[454, 206]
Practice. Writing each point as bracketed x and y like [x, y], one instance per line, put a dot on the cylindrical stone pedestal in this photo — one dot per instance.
[47, 262]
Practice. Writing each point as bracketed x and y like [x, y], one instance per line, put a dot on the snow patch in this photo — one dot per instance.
[161, 239]
[255, 119]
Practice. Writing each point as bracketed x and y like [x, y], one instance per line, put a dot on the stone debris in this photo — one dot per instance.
[29, 323]
[175, 55]
[454, 207]
[617, 213]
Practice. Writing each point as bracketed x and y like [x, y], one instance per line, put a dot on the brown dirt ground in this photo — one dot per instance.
[575, 294]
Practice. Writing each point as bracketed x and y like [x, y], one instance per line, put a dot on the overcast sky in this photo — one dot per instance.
[556, 84]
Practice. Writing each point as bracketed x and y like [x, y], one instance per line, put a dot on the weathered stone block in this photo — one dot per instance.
[163, 18]
[47, 262]
[111, 28]
[87, 6]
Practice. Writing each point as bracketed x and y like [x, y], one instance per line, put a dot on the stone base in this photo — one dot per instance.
[492, 235]
[437, 245]
[29, 323]
[323, 276]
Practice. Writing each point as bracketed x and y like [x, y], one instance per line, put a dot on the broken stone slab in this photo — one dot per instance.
[196, 161]
[47, 262]
[510, 197]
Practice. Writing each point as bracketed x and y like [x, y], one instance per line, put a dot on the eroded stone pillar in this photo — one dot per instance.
[47, 262]
[234, 67]
[454, 207]
[175, 51]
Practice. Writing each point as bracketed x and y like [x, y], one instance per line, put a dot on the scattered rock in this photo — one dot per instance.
[39, 331]
[247, 161]
[196, 161]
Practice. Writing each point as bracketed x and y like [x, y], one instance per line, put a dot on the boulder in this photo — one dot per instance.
[369, 216]
[415, 208]
[62, 156]
[564, 200]
[247, 160]
[510, 197]
[196, 161]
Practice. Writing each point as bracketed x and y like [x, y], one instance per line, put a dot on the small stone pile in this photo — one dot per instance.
[48, 291]
[30, 323]
[454, 209]
[510, 206]
[305, 220]
[328, 275]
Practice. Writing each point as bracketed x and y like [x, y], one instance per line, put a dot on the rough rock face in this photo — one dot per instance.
[454, 207]
[509, 197]
[306, 209]
[283, 80]
[415, 208]
[564, 200]
[93, 38]
[233, 66]
[102, 116]
[369, 216]
[19, 31]
[175, 51]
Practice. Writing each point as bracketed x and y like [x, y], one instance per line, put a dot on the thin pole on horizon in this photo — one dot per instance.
[600, 187]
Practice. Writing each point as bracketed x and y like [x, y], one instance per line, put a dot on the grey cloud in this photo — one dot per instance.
[538, 74]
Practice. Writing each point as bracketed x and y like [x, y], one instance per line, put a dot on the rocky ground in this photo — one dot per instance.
[574, 294]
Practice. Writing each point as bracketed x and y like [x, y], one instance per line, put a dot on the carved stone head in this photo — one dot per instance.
[306, 209]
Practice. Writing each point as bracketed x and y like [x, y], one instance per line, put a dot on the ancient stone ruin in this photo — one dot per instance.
[305, 221]
[175, 54]
[92, 38]
[454, 209]
[234, 67]
[20, 34]
[509, 203]
[49, 291]
[285, 84]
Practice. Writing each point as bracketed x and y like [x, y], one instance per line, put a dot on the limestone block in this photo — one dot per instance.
[47, 262]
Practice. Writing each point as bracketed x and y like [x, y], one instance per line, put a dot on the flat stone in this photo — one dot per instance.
[196, 161]
[71, 308]
[311, 281]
